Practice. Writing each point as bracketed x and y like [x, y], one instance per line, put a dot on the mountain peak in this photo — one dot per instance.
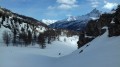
[77, 22]
[95, 11]
[48, 21]
[71, 18]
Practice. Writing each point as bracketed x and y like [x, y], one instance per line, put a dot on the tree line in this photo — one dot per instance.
[29, 38]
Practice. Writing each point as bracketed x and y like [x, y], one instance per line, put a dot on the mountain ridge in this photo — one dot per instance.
[20, 16]
[76, 22]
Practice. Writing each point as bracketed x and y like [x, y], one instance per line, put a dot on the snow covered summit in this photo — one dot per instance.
[48, 22]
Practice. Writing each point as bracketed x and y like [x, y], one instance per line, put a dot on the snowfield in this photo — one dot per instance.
[51, 50]
[101, 52]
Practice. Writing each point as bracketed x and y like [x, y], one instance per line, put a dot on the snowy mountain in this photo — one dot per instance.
[48, 22]
[18, 24]
[78, 22]
[71, 18]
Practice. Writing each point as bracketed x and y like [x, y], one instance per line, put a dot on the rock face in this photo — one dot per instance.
[94, 28]
[76, 23]
[83, 39]
[114, 27]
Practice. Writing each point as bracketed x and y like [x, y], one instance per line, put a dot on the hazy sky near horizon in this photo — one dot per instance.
[57, 9]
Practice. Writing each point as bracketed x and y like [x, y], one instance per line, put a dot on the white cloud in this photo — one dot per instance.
[94, 3]
[70, 2]
[109, 5]
[65, 4]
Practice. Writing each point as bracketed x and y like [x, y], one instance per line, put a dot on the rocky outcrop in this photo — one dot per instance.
[114, 26]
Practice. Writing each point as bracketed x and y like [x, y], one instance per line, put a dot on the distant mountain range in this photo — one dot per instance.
[76, 22]
[70, 23]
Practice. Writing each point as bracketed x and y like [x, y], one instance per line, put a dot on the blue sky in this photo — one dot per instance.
[57, 9]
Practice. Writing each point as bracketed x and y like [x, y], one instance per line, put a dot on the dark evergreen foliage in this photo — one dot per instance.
[14, 37]
[41, 40]
[6, 38]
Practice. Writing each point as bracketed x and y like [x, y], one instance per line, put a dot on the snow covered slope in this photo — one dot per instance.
[65, 46]
[101, 52]
[48, 22]
[76, 22]
[11, 22]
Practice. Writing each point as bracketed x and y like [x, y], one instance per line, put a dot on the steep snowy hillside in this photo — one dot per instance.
[17, 24]
[48, 22]
[78, 22]
[101, 52]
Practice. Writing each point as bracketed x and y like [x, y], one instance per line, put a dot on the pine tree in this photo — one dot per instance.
[25, 39]
[14, 37]
[34, 39]
[49, 39]
[41, 40]
[29, 37]
[6, 38]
